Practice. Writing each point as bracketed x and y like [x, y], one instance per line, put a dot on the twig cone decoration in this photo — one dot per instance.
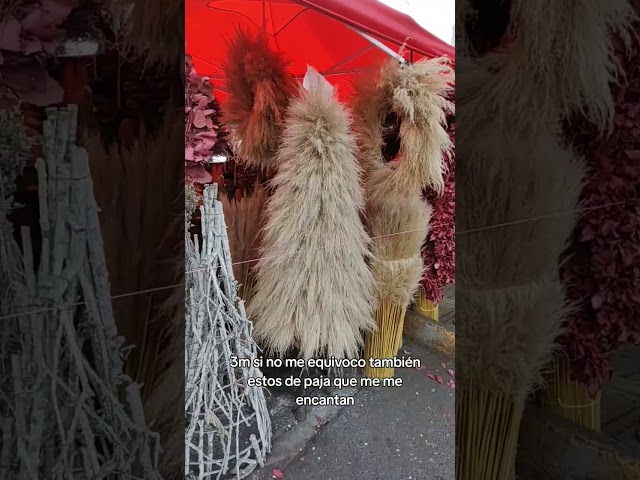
[509, 317]
[396, 216]
[313, 286]
[260, 89]
[228, 429]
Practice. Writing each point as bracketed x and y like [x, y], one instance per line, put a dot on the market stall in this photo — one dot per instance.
[326, 224]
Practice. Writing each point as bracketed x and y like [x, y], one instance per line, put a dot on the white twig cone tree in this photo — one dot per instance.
[228, 429]
[66, 408]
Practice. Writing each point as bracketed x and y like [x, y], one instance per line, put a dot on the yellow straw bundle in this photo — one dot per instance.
[385, 341]
[570, 399]
[425, 306]
[489, 424]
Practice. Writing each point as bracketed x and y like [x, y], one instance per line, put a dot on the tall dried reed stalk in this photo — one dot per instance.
[142, 223]
[395, 213]
[569, 399]
[244, 219]
[554, 61]
[511, 301]
[313, 286]
[260, 89]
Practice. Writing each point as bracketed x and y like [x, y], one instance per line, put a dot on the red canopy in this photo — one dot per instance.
[320, 33]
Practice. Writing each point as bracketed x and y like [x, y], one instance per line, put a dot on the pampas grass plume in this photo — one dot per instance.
[525, 192]
[260, 89]
[417, 95]
[313, 288]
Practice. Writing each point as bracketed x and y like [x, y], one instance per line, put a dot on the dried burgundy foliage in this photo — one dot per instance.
[29, 32]
[204, 137]
[438, 252]
[602, 272]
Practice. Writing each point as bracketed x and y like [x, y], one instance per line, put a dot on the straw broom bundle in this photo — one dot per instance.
[512, 303]
[395, 213]
[553, 57]
[260, 89]
[313, 286]
[243, 218]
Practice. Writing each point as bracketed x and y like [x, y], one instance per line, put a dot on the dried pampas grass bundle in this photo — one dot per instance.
[416, 95]
[244, 218]
[314, 289]
[260, 89]
[395, 214]
[400, 225]
[140, 221]
[561, 53]
[517, 211]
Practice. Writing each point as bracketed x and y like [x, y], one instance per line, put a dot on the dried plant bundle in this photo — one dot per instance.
[149, 30]
[313, 286]
[569, 399]
[416, 94]
[260, 89]
[385, 341]
[396, 216]
[140, 219]
[525, 227]
[244, 219]
[489, 423]
[561, 53]
[426, 307]
[517, 213]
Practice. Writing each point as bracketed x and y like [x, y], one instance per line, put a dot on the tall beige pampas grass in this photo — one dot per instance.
[243, 218]
[560, 58]
[260, 89]
[396, 216]
[314, 289]
[515, 214]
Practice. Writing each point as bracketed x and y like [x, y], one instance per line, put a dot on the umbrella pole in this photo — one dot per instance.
[378, 44]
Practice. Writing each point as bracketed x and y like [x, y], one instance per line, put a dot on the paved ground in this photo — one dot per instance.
[403, 433]
[621, 399]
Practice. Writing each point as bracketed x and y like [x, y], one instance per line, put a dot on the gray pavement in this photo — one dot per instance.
[400, 433]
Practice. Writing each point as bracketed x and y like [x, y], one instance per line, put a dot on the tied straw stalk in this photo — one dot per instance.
[513, 303]
[426, 307]
[570, 399]
[395, 213]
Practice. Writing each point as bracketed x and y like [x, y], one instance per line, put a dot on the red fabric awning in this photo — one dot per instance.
[310, 32]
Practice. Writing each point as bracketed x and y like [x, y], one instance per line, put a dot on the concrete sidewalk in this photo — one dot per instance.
[399, 433]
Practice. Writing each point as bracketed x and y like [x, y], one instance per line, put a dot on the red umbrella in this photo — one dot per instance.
[338, 37]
